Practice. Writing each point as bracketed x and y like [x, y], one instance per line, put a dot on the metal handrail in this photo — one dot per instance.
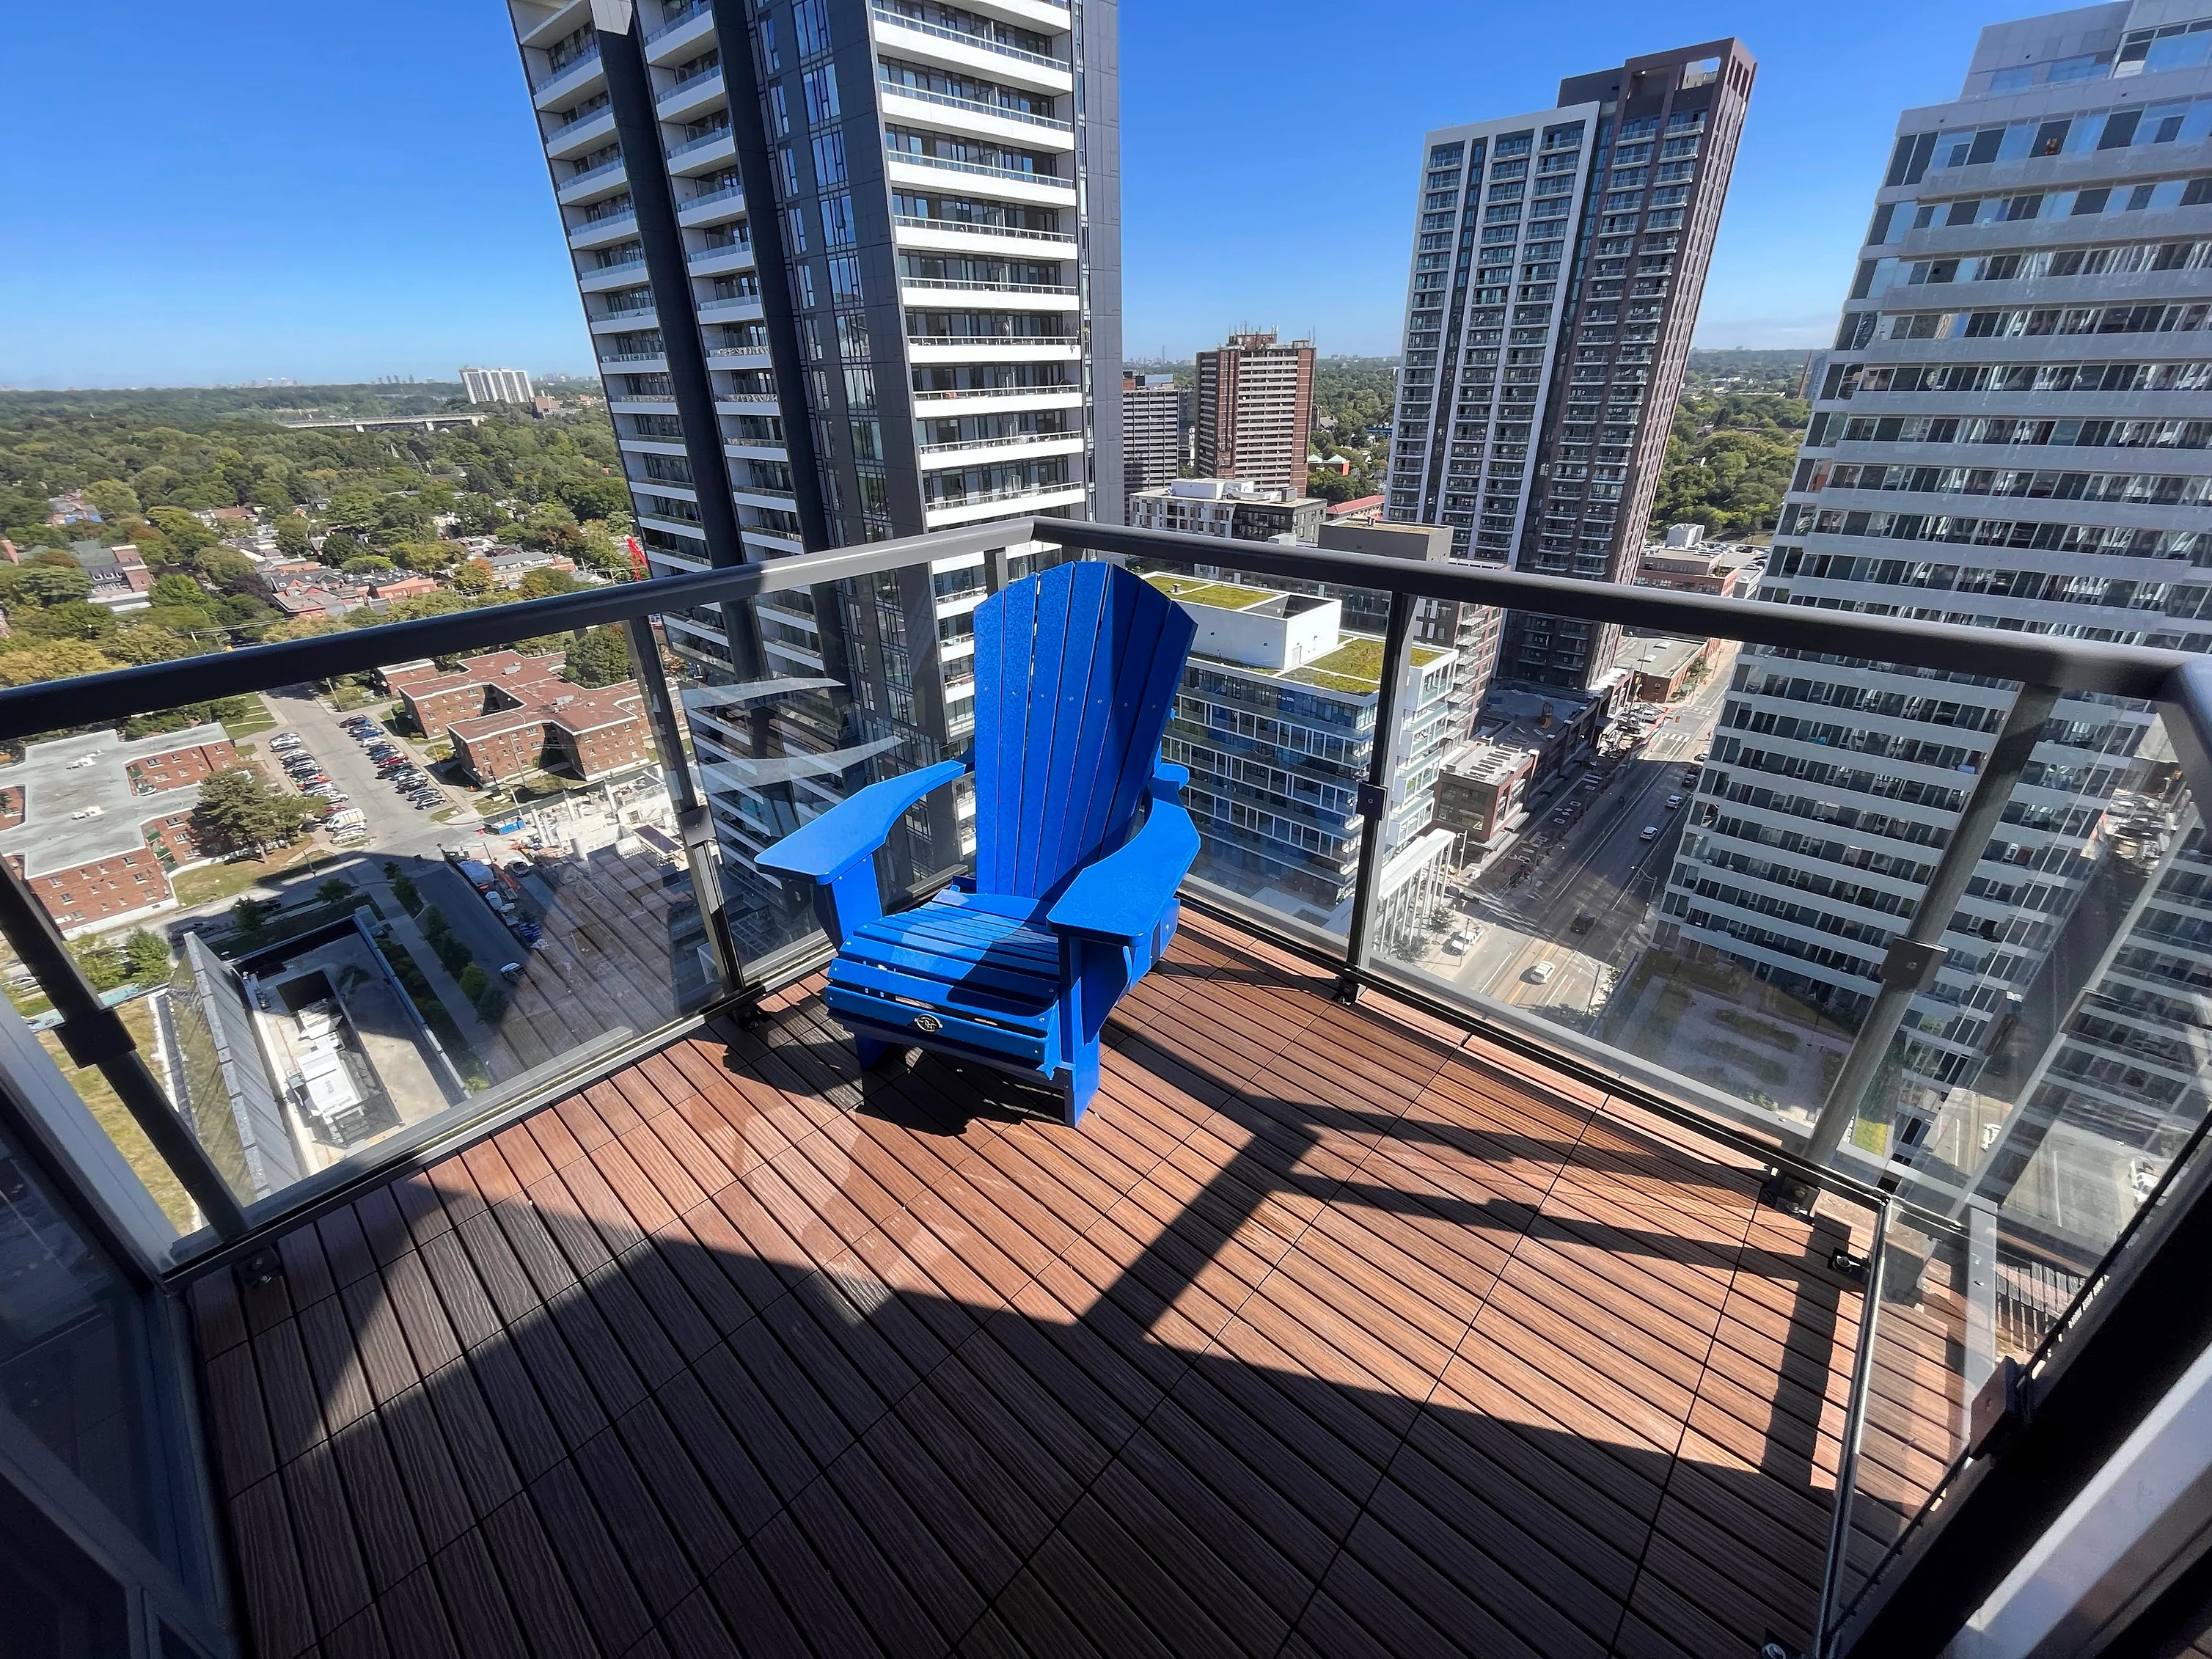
[985, 288]
[706, 196]
[676, 20]
[701, 141]
[1826, 1619]
[975, 106]
[2068, 664]
[920, 26]
[908, 222]
[935, 395]
[1013, 174]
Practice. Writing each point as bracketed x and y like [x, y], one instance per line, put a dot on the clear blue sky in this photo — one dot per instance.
[219, 193]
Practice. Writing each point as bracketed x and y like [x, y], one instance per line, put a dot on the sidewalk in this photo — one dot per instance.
[483, 1038]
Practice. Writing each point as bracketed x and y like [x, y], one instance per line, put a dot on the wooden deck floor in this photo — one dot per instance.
[1327, 1332]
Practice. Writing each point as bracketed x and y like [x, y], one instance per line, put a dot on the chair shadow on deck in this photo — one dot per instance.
[1231, 1368]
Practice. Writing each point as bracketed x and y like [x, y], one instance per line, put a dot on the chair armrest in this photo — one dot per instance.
[1120, 896]
[852, 831]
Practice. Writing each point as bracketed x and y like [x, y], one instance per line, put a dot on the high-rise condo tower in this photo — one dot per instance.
[1559, 258]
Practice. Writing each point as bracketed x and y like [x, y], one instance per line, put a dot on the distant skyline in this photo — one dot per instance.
[323, 195]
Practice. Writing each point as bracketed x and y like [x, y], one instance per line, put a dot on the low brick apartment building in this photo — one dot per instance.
[172, 769]
[83, 896]
[509, 715]
[557, 725]
[481, 685]
[84, 837]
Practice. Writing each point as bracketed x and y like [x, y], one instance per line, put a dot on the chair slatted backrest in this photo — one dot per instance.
[1075, 675]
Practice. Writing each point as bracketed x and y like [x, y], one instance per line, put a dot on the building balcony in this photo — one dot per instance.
[954, 236]
[703, 154]
[913, 107]
[1004, 184]
[990, 348]
[568, 80]
[598, 233]
[636, 363]
[687, 99]
[679, 34]
[944, 514]
[995, 399]
[1009, 296]
[984, 452]
[736, 308]
[586, 132]
[1389, 1297]
[602, 180]
[934, 42]
[597, 279]
[715, 261]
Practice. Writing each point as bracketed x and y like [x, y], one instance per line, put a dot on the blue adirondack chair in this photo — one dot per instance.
[1075, 674]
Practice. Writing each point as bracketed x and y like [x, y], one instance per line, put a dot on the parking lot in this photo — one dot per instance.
[393, 825]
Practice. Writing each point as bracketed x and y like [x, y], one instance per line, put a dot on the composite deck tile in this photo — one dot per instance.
[1330, 1331]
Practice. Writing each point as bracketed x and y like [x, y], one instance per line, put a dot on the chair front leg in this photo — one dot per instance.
[849, 901]
[1094, 975]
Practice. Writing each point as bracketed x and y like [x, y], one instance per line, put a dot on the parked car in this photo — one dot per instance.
[510, 971]
[1650, 833]
[1456, 944]
[1673, 801]
[518, 866]
[1541, 972]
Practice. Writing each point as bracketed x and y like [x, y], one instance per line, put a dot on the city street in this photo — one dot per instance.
[1598, 865]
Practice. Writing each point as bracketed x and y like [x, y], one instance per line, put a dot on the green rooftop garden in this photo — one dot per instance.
[1223, 596]
[1355, 667]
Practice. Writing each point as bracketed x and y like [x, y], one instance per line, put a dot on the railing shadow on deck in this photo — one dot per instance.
[950, 1437]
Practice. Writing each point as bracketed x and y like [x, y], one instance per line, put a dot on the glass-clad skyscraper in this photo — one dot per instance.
[1559, 260]
[851, 271]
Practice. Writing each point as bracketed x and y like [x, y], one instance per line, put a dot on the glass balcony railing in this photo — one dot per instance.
[961, 37]
[1917, 917]
[974, 107]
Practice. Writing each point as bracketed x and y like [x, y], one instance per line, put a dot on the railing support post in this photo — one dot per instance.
[95, 1035]
[1915, 958]
[1374, 793]
[1847, 1460]
[693, 820]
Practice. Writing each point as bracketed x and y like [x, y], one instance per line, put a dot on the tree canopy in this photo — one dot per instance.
[600, 658]
[1729, 460]
[239, 813]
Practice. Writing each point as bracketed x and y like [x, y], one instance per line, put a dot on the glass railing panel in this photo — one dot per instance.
[2053, 1089]
[1276, 718]
[1570, 901]
[338, 918]
[79, 1364]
